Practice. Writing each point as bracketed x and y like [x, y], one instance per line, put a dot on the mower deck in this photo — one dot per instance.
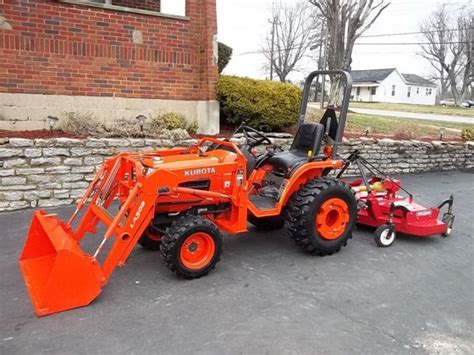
[381, 206]
[414, 220]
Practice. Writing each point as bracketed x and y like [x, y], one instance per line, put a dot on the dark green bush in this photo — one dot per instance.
[224, 55]
[262, 104]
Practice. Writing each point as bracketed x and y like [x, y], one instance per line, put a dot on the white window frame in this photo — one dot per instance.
[108, 4]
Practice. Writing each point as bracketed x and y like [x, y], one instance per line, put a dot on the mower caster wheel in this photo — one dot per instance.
[448, 219]
[385, 235]
[191, 246]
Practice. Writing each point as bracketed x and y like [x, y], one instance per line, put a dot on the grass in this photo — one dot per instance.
[452, 111]
[397, 127]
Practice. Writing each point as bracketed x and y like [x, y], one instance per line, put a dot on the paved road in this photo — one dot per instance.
[420, 116]
[268, 297]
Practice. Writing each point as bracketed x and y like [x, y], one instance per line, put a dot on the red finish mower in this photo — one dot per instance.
[381, 206]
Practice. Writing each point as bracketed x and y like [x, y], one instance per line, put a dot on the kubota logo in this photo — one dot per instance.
[137, 215]
[202, 171]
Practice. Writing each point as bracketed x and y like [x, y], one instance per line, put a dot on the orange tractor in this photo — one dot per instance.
[179, 200]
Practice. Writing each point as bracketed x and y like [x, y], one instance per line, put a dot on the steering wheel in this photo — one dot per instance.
[253, 137]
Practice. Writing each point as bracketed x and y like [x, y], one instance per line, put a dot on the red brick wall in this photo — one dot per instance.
[152, 5]
[60, 48]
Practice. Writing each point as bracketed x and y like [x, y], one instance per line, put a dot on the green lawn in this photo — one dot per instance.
[397, 127]
[453, 111]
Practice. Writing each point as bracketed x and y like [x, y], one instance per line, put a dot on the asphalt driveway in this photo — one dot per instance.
[266, 296]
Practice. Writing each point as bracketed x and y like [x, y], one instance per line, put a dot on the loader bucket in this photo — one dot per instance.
[57, 273]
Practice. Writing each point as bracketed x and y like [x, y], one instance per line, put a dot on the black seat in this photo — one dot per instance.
[308, 138]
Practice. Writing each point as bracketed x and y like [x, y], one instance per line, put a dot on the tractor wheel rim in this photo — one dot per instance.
[197, 251]
[386, 238]
[332, 218]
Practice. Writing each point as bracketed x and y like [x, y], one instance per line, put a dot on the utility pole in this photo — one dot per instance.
[320, 61]
[274, 22]
[325, 61]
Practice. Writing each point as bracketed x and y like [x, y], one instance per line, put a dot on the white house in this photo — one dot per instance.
[389, 85]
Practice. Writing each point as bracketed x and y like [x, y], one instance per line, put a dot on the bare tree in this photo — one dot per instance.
[346, 21]
[293, 33]
[448, 46]
[436, 31]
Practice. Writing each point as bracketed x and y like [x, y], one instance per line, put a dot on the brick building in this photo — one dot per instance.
[110, 58]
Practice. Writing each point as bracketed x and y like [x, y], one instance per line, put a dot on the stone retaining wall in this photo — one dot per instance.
[53, 172]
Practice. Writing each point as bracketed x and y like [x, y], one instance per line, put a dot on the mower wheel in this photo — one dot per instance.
[150, 240]
[385, 236]
[448, 219]
[191, 246]
[267, 223]
[321, 216]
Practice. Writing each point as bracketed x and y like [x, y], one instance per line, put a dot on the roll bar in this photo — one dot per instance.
[347, 79]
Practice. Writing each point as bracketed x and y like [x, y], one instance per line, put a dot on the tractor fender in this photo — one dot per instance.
[305, 173]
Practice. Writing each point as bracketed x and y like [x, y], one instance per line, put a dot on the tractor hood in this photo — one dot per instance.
[191, 162]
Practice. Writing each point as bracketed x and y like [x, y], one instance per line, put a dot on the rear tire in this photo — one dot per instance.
[321, 216]
[191, 246]
[267, 223]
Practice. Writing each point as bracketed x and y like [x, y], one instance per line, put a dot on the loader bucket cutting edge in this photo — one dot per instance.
[57, 273]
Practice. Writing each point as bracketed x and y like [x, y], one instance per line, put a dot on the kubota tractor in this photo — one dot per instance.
[179, 200]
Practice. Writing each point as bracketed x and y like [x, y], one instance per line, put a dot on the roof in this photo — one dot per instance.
[414, 79]
[371, 75]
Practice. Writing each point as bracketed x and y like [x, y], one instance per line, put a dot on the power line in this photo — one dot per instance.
[361, 44]
[408, 43]
[405, 33]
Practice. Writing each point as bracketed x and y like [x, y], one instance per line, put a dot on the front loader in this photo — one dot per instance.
[180, 200]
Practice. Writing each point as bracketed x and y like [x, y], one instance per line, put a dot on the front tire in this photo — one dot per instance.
[191, 246]
[321, 216]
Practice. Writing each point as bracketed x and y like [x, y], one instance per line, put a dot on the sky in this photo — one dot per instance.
[243, 24]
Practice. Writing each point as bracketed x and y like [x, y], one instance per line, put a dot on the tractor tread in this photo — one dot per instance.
[170, 244]
[298, 211]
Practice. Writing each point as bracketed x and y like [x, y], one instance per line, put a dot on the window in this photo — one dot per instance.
[417, 90]
[173, 7]
[428, 91]
[393, 90]
[358, 91]
[409, 91]
[373, 91]
[148, 7]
